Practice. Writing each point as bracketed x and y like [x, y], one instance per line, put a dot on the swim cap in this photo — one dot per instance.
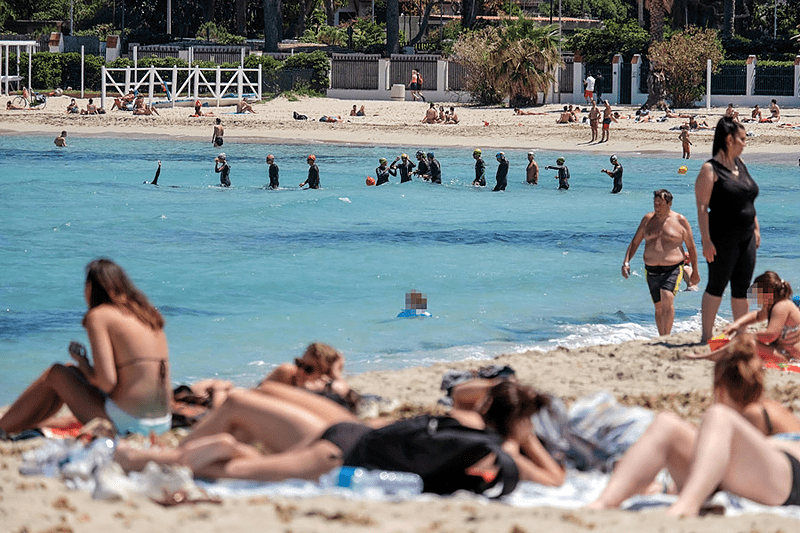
[382, 160]
[420, 153]
[370, 181]
[404, 156]
[560, 161]
[683, 169]
[270, 156]
[312, 157]
[430, 154]
[612, 158]
[221, 156]
[500, 155]
[532, 154]
[477, 151]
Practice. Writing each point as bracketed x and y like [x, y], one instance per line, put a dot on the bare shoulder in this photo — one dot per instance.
[103, 313]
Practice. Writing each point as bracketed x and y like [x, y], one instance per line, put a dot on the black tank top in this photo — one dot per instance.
[731, 209]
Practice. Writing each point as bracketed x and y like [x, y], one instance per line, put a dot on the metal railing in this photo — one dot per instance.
[774, 81]
[355, 71]
[731, 79]
[401, 66]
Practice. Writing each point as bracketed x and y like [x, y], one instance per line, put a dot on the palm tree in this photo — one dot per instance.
[524, 61]
[655, 79]
[272, 19]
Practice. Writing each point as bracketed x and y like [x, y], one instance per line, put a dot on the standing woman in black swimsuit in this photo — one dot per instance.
[731, 450]
[724, 193]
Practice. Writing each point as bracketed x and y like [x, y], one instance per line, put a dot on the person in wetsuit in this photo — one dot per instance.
[616, 174]
[222, 168]
[502, 172]
[435, 169]
[274, 172]
[423, 170]
[480, 169]
[383, 172]
[563, 173]
[725, 195]
[155, 178]
[405, 168]
[313, 173]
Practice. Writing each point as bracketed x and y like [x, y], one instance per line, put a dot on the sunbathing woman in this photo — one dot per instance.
[307, 443]
[128, 383]
[780, 341]
[729, 451]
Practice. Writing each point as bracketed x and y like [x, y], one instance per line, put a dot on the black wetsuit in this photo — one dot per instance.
[383, 174]
[502, 175]
[616, 174]
[422, 168]
[436, 171]
[273, 176]
[563, 176]
[313, 177]
[405, 168]
[480, 173]
[598, 88]
[731, 226]
[224, 174]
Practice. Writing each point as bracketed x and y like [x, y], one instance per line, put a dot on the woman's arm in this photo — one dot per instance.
[703, 187]
[103, 374]
[757, 233]
[534, 463]
[777, 319]
[743, 321]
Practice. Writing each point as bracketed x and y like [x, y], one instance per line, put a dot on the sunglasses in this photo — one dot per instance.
[304, 367]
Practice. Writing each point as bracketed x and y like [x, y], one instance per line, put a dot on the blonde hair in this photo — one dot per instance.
[324, 355]
[739, 371]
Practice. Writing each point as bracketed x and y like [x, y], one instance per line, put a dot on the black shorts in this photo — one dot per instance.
[414, 87]
[667, 278]
[734, 262]
[218, 141]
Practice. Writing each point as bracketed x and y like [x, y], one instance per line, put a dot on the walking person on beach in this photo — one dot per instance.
[725, 195]
[219, 131]
[126, 381]
[664, 232]
[502, 172]
[594, 120]
[480, 169]
[685, 142]
[607, 118]
[598, 86]
[563, 173]
[532, 170]
[313, 173]
[274, 173]
[588, 88]
[615, 174]
[405, 167]
[222, 168]
[416, 85]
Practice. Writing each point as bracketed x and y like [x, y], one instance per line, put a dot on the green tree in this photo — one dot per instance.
[473, 51]
[682, 60]
[600, 45]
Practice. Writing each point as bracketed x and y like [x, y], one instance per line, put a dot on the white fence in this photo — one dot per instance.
[195, 83]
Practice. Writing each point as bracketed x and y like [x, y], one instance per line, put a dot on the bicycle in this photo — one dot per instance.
[36, 101]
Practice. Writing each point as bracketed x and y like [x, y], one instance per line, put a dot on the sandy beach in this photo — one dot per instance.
[651, 373]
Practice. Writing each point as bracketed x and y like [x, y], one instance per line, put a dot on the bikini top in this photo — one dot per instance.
[162, 371]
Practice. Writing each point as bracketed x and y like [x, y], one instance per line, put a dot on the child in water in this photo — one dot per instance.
[686, 143]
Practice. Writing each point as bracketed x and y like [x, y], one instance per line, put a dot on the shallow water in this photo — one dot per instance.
[247, 277]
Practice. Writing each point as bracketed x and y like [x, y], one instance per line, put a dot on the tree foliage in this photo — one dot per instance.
[600, 45]
[617, 10]
[682, 60]
[515, 61]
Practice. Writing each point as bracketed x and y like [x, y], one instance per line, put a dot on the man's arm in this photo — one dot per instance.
[634, 245]
[688, 239]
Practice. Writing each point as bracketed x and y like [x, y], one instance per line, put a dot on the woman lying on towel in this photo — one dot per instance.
[127, 381]
[731, 450]
[483, 451]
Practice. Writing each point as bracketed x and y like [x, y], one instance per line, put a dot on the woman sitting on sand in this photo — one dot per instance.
[485, 447]
[128, 383]
[779, 342]
[729, 451]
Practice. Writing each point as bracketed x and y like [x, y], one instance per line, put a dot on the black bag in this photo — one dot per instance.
[439, 449]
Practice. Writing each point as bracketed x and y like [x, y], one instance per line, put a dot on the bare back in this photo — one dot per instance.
[131, 361]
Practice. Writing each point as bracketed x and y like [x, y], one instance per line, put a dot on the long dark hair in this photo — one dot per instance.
[725, 127]
[508, 402]
[108, 284]
[771, 282]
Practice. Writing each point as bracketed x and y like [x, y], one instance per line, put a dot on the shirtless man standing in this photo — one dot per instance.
[664, 231]
[607, 118]
[219, 131]
[61, 140]
[594, 120]
[532, 170]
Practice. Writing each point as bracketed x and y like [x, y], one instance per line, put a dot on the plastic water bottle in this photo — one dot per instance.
[369, 481]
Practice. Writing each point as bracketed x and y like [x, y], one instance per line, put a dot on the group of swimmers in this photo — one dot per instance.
[302, 412]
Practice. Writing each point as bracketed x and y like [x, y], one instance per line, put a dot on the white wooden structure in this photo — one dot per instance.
[5, 74]
[242, 81]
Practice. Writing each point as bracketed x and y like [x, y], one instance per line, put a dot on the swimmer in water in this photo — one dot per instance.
[435, 169]
[222, 168]
[61, 140]
[502, 172]
[480, 169]
[384, 171]
[405, 167]
[616, 174]
[274, 182]
[563, 173]
[155, 178]
[422, 166]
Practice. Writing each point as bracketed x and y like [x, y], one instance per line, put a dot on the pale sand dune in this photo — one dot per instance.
[649, 372]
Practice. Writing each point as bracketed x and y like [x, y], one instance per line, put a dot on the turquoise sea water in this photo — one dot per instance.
[247, 277]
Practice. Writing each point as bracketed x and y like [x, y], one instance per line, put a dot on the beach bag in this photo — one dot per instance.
[419, 80]
[439, 450]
